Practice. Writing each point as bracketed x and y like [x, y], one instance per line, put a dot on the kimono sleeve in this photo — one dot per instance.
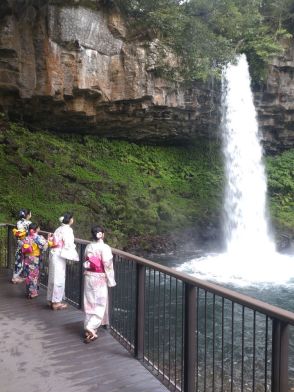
[41, 242]
[68, 251]
[107, 258]
[68, 239]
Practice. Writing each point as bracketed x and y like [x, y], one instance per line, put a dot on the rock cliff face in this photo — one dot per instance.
[70, 67]
[275, 102]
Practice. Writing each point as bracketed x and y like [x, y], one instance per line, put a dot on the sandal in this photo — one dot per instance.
[89, 337]
[31, 296]
[17, 280]
[58, 306]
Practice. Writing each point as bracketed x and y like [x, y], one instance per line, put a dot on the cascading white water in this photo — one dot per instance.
[251, 257]
[245, 197]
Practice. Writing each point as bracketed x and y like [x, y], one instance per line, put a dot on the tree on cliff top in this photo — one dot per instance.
[206, 34]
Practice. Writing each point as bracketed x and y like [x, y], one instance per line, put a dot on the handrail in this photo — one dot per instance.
[176, 324]
[241, 299]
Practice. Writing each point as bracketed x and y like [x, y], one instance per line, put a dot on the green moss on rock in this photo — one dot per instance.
[145, 196]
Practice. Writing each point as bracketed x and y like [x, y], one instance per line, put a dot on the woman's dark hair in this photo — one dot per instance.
[23, 213]
[33, 226]
[95, 230]
[67, 217]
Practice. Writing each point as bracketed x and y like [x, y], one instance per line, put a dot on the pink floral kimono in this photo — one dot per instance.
[99, 275]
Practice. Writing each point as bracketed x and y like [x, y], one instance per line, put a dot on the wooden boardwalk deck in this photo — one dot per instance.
[43, 351]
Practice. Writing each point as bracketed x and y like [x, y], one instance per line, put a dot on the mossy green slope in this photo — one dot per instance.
[141, 194]
[135, 191]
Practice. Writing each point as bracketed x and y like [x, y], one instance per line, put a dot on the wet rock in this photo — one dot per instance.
[73, 66]
[275, 102]
[69, 66]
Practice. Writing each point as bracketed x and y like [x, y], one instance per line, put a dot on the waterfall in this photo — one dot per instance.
[251, 257]
[245, 196]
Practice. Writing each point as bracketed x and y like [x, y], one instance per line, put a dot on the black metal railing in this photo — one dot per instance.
[192, 335]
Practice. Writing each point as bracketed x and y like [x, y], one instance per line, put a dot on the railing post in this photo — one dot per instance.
[81, 276]
[280, 343]
[190, 338]
[140, 312]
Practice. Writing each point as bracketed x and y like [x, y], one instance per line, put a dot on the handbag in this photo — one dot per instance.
[69, 254]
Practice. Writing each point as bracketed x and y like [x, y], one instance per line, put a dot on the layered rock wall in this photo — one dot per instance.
[72, 68]
[275, 102]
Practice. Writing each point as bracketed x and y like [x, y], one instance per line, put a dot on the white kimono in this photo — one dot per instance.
[96, 286]
[66, 250]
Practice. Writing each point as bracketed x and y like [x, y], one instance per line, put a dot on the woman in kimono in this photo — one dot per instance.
[20, 232]
[99, 275]
[32, 247]
[62, 248]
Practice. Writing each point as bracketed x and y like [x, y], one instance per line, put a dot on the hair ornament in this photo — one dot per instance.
[61, 219]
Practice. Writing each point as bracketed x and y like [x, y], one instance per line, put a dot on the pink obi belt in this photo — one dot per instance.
[96, 264]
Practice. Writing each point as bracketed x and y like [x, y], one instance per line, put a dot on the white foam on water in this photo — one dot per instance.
[242, 271]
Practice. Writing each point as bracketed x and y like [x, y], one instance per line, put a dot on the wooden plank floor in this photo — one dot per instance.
[43, 351]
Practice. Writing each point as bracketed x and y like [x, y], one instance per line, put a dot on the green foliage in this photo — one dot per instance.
[206, 34]
[133, 190]
[281, 189]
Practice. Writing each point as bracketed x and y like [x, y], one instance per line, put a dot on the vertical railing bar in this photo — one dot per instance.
[79, 271]
[113, 315]
[169, 331]
[140, 312]
[182, 331]
[232, 348]
[126, 293]
[148, 300]
[213, 343]
[117, 291]
[222, 346]
[265, 353]
[158, 324]
[123, 297]
[176, 317]
[163, 340]
[280, 342]
[189, 341]
[119, 298]
[254, 351]
[128, 300]
[81, 301]
[118, 295]
[146, 315]
[153, 321]
[242, 348]
[134, 283]
[205, 338]
[149, 314]
[127, 296]
[197, 337]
